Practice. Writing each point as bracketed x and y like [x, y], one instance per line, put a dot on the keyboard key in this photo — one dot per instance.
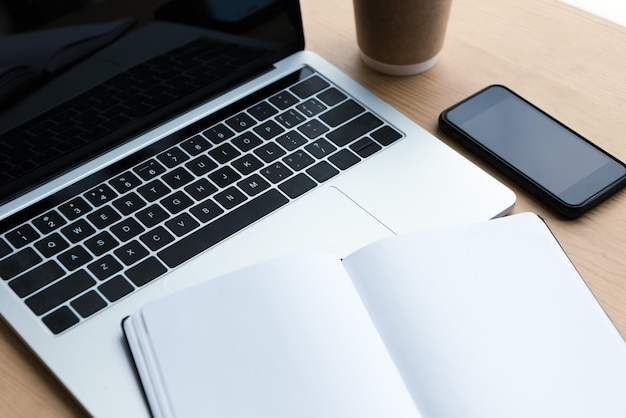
[154, 190]
[182, 224]
[297, 185]
[195, 145]
[298, 160]
[60, 292]
[149, 170]
[51, 245]
[200, 189]
[146, 271]
[313, 129]
[152, 216]
[342, 113]
[178, 178]
[386, 135]
[253, 185]
[331, 96]
[221, 228]
[276, 172]
[88, 304]
[115, 288]
[309, 86]
[101, 243]
[60, 320]
[5, 249]
[262, 111]
[105, 267]
[100, 195]
[283, 100]
[230, 198]
[291, 140]
[218, 133]
[129, 203]
[224, 153]
[78, 231]
[22, 236]
[291, 118]
[201, 165]
[344, 159]
[125, 182]
[131, 252]
[172, 157]
[104, 217]
[269, 152]
[75, 258]
[247, 164]
[206, 211]
[240, 122]
[75, 208]
[321, 148]
[156, 238]
[355, 129]
[127, 229]
[247, 141]
[224, 176]
[269, 130]
[365, 147]
[322, 171]
[176, 202]
[49, 222]
[311, 107]
[36, 279]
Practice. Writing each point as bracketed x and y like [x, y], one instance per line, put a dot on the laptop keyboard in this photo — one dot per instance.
[88, 246]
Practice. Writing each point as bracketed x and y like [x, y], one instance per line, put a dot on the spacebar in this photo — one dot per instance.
[222, 228]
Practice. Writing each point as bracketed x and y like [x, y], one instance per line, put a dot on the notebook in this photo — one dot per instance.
[489, 319]
[144, 145]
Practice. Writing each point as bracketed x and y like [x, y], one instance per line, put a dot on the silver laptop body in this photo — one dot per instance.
[318, 191]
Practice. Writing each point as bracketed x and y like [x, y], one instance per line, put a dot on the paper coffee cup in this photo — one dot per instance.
[401, 37]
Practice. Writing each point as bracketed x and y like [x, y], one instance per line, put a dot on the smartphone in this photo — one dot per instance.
[555, 164]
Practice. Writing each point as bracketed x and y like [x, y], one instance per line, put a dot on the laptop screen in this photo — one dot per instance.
[78, 77]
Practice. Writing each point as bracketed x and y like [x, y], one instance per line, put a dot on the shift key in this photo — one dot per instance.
[18, 263]
[60, 292]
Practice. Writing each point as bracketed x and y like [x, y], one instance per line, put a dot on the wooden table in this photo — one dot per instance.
[568, 62]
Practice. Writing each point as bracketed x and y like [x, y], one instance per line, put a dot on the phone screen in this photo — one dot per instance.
[535, 145]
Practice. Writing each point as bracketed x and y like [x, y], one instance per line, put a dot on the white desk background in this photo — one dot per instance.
[613, 10]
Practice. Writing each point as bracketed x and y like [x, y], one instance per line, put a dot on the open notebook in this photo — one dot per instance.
[485, 320]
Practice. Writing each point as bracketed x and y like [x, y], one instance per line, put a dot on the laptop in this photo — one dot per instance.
[149, 146]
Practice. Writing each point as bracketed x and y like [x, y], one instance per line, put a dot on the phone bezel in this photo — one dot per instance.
[584, 191]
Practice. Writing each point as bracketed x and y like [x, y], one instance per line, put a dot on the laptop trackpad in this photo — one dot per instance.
[324, 221]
